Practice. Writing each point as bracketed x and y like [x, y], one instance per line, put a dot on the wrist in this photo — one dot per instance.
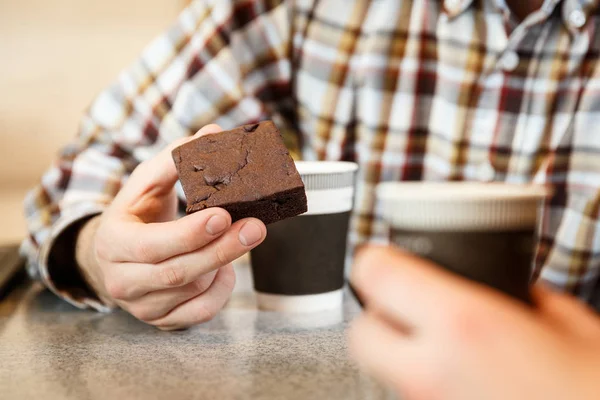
[87, 260]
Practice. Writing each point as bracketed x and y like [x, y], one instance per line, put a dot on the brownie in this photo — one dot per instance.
[247, 171]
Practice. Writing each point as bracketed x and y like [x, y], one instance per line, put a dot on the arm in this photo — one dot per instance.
[218, 63]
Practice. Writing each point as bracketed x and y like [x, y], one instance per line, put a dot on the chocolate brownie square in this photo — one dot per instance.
[247, 171]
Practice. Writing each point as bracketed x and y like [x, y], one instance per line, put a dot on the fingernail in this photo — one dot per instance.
[250, 233]
[216, 224]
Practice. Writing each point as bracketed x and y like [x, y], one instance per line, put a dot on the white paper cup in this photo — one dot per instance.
[482, 231]
[300, 265]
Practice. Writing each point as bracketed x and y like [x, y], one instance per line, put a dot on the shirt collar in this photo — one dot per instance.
[575, 13]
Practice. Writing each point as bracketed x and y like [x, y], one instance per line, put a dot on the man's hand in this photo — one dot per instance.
[434, 336]
[168, 272]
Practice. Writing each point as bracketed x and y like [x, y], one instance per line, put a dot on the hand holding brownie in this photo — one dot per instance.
[168, 272]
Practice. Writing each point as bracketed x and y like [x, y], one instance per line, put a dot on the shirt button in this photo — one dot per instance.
[485, 172]
[577, 18]
[509, 61]
[452, 5]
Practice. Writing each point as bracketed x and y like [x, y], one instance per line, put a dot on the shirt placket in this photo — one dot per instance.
[494, 79]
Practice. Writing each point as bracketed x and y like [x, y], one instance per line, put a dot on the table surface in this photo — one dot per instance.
[51, 350]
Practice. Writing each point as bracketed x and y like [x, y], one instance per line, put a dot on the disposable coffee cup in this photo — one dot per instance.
[481, 231]
[300, 265]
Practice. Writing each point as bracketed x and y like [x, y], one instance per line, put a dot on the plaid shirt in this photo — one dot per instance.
[411, 90]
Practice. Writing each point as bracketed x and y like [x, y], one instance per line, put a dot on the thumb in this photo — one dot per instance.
[157, 176]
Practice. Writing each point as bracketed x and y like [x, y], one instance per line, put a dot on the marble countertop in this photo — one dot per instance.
[50, 350]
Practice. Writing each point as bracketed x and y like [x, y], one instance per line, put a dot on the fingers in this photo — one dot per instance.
[155, 176]
[201, 308]
[566, 312]
[157, 304]
[134, 279]
[157, 242]
[412, 292]
[397, 359]
[406, 289]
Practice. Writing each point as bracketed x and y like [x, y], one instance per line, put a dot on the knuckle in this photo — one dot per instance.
[200, 285]
[143, 252]
[203, 283]
[115, 288]
[143, 313]
[171, 276]
[205, 313]
[221, 255]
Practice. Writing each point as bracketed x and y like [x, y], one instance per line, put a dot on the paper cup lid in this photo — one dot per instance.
[325, 167]
[324, 175]
[460, 206]
[460, 191]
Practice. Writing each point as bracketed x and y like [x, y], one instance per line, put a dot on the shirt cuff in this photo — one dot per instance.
[51, 274]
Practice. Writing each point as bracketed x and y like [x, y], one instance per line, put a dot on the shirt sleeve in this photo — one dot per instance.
[223, 61]
[568, 258]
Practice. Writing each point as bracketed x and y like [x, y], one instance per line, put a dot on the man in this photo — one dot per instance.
[412, 90]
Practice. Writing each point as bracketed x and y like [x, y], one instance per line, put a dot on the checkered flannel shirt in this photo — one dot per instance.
[411, 90]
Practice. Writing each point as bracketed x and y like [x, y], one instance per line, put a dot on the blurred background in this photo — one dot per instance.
[55, 56]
